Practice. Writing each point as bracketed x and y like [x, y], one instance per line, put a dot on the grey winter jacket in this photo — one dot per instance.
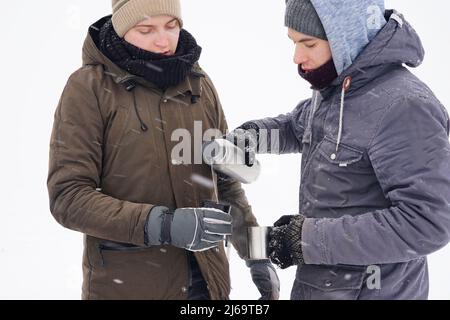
[375, 183]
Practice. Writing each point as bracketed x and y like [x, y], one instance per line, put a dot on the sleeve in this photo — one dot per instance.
[283, 134]
[230, 191]
[75, 166]
[410, 155]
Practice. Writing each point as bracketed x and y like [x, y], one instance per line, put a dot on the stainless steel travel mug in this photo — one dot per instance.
[258, 242]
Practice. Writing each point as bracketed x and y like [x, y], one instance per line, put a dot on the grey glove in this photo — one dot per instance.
[265, 278]
[246, 137]
[285, 244]
[193, 229]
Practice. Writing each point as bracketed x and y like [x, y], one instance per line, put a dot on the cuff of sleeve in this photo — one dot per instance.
[250, 125]
[153, 226]
[294, 239]
[138, 235]
[314, 240]
[250, 263]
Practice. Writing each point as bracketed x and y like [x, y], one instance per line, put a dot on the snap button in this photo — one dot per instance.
[184, 289]
[165, 100]
[333, 156]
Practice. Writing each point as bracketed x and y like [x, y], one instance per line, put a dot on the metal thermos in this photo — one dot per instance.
[227, 158]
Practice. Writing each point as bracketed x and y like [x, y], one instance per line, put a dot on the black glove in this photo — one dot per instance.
[193, 229]
[285, 244]
[246, 138]
[265, 278]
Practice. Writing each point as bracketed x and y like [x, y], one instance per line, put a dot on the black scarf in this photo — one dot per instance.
[321, 77]
[163, 71]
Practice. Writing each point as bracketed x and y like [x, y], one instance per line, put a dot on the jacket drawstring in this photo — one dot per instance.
[345, 86]
[341, 119]
[129, 86]
[144, 127]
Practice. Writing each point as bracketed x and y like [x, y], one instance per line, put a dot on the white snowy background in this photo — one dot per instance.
[249, 57]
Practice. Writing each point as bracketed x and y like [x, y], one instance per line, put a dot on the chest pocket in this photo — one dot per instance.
[346, 156]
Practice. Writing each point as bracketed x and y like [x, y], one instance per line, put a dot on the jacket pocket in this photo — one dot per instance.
[336, 180]
[118, 246]
[322, 282]
[126, 271]
[345, 155]
[110, 246]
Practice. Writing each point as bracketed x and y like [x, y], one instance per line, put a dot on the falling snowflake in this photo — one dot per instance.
[207, 183]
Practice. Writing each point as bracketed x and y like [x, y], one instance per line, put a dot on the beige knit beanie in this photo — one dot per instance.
[128, 13]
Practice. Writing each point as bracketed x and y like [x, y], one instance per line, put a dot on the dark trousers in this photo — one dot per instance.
[198, 289]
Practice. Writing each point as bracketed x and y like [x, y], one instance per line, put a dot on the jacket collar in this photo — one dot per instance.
[92, 55]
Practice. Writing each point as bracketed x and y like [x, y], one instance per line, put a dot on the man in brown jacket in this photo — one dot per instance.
[112, 175]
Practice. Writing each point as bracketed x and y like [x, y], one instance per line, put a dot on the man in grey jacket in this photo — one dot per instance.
[375, 183]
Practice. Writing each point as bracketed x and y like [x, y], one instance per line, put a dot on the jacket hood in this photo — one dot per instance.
[362, 34]
[397, 43]
[92, 54]
[349, 26]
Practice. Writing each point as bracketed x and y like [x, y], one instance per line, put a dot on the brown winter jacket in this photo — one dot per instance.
[106, 174]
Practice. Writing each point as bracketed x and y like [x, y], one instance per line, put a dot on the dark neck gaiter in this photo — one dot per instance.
[321, 77]
[163, 71]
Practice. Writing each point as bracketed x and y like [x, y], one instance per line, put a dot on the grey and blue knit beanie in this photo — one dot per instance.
[302, 17]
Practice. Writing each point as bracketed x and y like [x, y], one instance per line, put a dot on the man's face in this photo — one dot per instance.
[157, 34]
[310, 53]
